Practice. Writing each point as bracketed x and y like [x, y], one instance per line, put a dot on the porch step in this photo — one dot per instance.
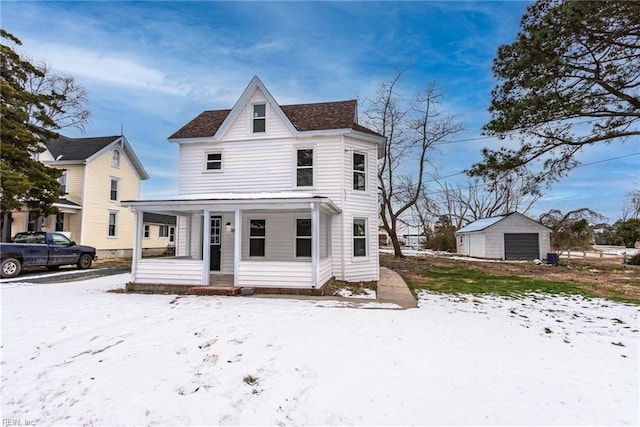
[214, 290]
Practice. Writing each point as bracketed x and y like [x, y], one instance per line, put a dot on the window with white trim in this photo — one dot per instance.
[115, 158]
[63, 182]
[359, 172]
[113, 224]
[259, 118]
[359, 237]
[147, 231]
[303, 237]
[257, 237]
[304, 167]
[213, 161]
[163, 231]
[113, 191]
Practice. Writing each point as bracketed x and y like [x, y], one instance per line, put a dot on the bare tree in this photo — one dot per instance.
[571, 229]
[67, 105]
[631, 207]
[411, 129]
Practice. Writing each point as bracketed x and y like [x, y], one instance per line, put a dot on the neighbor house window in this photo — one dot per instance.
[147, 231]
[172, 234]
[359, 172]
[259, 118]
[303, 237]
[257, 236]
[115, 158]
[304, 167]
[163, 231]
[113, 193]
[359, 237]
[213, 161]
[34, 223]
[63, 182]
[59, 221]
[113, 224]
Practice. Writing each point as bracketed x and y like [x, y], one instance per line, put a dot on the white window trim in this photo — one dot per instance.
[296, 237]
[367, 247]
[117, 199]
[295, 166]
[266, 118]
[249, 237]
[205, 162]
[160, 227]
[115, 235]
[146, 231]
[353, 172]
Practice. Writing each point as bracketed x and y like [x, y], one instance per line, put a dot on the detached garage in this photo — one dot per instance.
[511, 237]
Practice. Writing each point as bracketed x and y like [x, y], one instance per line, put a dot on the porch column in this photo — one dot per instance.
[315, 243]
[206, 247]
[237, 245]
[136, 255]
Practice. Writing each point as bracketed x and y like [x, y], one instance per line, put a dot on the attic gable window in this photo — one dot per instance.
[115, 159]
[259, 118]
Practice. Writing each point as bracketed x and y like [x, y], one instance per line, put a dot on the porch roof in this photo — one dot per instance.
[231, 201]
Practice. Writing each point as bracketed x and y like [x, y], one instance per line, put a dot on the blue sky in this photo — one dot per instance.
[153, 66]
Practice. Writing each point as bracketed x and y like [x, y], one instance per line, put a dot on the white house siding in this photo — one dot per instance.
[476, 245]
[359, 204]
[275, 274]
[242, 130]
[165, 271]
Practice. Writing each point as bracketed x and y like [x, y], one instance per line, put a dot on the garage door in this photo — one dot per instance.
[521, 246]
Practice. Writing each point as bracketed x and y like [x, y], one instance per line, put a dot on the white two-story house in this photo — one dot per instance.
[278, 196]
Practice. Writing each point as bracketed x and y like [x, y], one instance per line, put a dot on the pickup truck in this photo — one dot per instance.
[43, 249]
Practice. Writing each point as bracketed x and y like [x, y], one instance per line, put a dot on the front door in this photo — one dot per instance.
[216, 241]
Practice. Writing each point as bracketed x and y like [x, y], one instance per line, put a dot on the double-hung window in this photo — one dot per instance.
[304, 167]
[213, 161]
[259, 118]
[147, 231]
[163, 231]
[359, 172]
[257, 237]
[303, 237]
[359, 237]
[113, 224]
[63, 182]
[113, 192]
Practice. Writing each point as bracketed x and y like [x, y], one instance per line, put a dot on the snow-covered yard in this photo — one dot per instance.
[73, 354]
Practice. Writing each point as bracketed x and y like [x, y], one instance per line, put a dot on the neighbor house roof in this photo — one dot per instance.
[304, 117]
[79, 150]
[155, 218]
[63, 148]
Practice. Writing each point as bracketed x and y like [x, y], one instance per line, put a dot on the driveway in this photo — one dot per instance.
[65, 274]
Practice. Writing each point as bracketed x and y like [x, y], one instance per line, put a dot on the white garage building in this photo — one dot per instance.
[510, 237]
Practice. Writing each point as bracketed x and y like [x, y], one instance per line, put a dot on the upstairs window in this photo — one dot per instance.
[359, 237]
[304, 168]
[303, 237]
[113, 193]
[115, 159]
[359, 172]
[259, 118]
[63, 182]
[213, 161]
[257, 237]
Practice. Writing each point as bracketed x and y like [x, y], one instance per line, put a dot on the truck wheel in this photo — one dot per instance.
[10, 267]
[84, 262]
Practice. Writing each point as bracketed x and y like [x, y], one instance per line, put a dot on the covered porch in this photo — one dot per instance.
[274, 240]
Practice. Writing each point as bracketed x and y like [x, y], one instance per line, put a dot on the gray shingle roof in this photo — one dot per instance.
[64, 148]
[304, 117]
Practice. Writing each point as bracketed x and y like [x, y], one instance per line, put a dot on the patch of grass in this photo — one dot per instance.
[465, 281]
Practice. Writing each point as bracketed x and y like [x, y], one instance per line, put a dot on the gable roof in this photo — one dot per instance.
[299, 117]
[484, 223]
[63, 148]
[80, 150]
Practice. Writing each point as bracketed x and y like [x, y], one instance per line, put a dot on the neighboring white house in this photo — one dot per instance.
[511, 237]
[270, 195]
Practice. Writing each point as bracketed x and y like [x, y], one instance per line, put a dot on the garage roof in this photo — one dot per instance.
[481, 224]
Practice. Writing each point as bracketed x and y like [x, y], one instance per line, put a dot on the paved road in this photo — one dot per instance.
[65, 274]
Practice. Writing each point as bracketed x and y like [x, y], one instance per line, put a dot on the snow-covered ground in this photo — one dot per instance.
[73, 354]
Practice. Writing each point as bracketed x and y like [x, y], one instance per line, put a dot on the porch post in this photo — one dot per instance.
[315, 243]
[237, 245]
[206, 247]
[136, 251]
